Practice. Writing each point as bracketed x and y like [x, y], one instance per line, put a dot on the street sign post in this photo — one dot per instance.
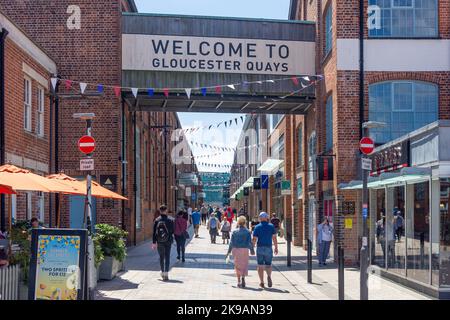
[87, 164]
[366, 164]
[86, 144]
[366, 145]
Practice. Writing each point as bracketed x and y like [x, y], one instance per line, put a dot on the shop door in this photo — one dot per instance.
[77, 211]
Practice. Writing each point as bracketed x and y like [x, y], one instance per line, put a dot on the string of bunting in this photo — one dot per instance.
[213, 165]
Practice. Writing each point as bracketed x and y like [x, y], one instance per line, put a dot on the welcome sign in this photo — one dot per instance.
[223, 55]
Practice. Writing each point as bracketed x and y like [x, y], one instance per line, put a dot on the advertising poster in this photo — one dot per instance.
[57, 265]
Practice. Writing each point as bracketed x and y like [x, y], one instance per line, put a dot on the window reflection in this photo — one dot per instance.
[445, 233]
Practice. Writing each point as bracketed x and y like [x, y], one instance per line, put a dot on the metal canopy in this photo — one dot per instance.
[270, 165]
[224, 103]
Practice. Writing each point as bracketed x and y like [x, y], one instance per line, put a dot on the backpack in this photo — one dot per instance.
[162, 232]
[213, 223]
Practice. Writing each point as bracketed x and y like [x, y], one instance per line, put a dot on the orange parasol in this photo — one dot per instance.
[24, 180]
[97, 190]
[6, 190]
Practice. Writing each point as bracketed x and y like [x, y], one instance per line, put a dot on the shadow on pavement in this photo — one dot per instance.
[119, 284]
[170, 281]
[276, 290]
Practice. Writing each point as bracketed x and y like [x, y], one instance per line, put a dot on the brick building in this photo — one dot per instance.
[26, 113]
[133, 147]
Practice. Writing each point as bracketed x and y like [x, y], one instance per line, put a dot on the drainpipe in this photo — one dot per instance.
[124, 166]
[361, 66]
[135, 176]
[56, 152]
[3, 35]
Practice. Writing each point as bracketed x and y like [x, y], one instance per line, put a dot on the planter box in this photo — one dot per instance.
[109, 268]
[23, 291]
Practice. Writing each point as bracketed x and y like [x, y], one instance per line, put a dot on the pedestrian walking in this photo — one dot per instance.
[325, 236]
[276, 222]
[229, 215]
[204, 213]
[225, 229]
[218, 214]
[213, 225]
[196, 221]
[240, 245]
[181, 234]
[163, 230]
[398, 224]
[264, 235]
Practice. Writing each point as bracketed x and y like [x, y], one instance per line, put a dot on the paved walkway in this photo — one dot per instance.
[205, 275]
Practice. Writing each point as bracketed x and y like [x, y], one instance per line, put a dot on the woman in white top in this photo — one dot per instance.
[325, 235]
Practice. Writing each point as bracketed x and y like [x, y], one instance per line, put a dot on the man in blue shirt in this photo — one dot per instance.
[196, 217]
[264, 235]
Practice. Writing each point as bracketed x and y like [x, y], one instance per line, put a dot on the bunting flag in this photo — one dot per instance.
[188, 92]
[83, 86]
[100, 88]
[68, 84]
[295, 80]
[231, 86]
[135, 92]
[166, 92]
[218, 90]
[117, 91]
[203, 91]
[54, 82]
[150, 92]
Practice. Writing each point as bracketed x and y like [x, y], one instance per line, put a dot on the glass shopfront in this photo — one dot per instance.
[444, 236]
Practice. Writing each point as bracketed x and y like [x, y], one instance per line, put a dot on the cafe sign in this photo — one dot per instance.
[210, 54]
[391, 158]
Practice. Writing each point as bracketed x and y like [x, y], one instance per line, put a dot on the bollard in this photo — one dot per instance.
[309, 261]
[341, 272]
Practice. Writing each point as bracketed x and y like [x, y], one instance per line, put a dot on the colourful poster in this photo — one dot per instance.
[57, 272]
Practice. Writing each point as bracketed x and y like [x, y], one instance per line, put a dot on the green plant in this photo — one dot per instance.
[98, 252]
[20, 236]
[111, 240]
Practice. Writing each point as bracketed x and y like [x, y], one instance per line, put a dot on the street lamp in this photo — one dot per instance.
[364, 254]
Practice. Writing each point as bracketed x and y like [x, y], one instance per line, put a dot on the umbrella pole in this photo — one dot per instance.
[58, 211]
[10, 212]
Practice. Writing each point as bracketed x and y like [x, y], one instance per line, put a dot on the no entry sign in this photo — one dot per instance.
[366, 145]
[86, 144]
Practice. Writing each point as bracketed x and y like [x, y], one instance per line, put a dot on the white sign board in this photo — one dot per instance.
[87, 164]
[366, 163]
[188, 191]
[224, 55]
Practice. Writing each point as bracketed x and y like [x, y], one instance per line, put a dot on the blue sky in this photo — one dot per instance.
[267, 9]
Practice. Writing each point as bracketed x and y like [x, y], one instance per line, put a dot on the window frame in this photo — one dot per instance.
[40, 119]
[328, 29]
[329, 123]
[27, 103]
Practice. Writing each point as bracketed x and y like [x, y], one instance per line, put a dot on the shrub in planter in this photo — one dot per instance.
[111, 241]
[20, 237]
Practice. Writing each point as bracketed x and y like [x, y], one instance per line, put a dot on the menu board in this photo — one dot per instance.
[57, 265]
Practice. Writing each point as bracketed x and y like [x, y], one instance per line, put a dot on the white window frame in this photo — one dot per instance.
[40, 119]
[29, 205]
[41, 206]
[27, 103]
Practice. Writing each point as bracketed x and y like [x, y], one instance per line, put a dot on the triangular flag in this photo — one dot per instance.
[218, 90]
[295, 80]
[209, 128]
[150, 92]
[303, 85]
[83, 87]
[166, 92]
[235, 120]
[135, 92]
[259, 82]
[100, 88]
[54, 81]
[117, 91]
[203, 91]
[231, 121]
[188, 92]
[68, 84]
[306, 78]
[271, 81]
[225, 124]
[219, 124]
[242, 118]
[231, 86]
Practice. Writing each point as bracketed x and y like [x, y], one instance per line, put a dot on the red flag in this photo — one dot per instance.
[117, 91]
[295, 80]
[166, 92]
[218, 90]
[68, 84]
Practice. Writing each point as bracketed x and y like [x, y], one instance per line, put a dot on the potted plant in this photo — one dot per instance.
[111, 241]
[21, 253]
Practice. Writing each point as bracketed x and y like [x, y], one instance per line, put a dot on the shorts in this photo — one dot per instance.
[264, 256]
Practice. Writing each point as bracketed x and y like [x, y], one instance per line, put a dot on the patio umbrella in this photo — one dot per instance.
[6, 190]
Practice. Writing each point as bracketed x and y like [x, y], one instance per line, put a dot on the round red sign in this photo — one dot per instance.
[366, 145]
[86, 144]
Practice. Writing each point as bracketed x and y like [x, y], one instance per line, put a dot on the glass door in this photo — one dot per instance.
[395, 229]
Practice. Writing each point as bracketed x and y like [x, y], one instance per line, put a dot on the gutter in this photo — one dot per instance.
[361, 67]
[4, 34]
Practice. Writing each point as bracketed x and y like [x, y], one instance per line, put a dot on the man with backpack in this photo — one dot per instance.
[213, 227]
[163, 231]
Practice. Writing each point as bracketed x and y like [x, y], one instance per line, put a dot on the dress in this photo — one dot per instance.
[240, 256]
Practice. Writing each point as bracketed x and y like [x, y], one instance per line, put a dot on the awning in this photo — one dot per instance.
[270, 165]
[404, 175]
[246, 184]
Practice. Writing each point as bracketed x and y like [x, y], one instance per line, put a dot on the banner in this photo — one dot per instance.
[57, 264]
[264, 182]
[325, 165]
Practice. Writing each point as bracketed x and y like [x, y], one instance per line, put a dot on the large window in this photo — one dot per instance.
[27, 104]
[329, 123]
[300, 146]
[403, 105]
[444, 208]
[40, 112]
[328, 29]
[406, 18]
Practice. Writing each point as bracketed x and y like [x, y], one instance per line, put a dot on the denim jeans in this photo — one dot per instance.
[324, 251]
[181, 245]
[164, 255]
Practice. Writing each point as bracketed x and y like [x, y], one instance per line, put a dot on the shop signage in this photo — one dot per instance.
[325, 168]
[202, 195]
[391, 158]
[193, 196]
[188, 191]
[348, 207]
[246, 191]
[299, 188]
[57, 265]
[285, 187]
[264, 182]
[224, 55]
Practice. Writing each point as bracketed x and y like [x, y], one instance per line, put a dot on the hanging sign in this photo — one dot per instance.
[57, 265]
[246, 191]
[285, 187]
[257, 183]
[325, 168]
[264, 182]
[224, 55]
[188, 191]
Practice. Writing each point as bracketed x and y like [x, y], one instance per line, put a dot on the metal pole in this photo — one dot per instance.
[364, 254]
[341, 272]
[309, 260]
[165, 159]
[89, 184]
